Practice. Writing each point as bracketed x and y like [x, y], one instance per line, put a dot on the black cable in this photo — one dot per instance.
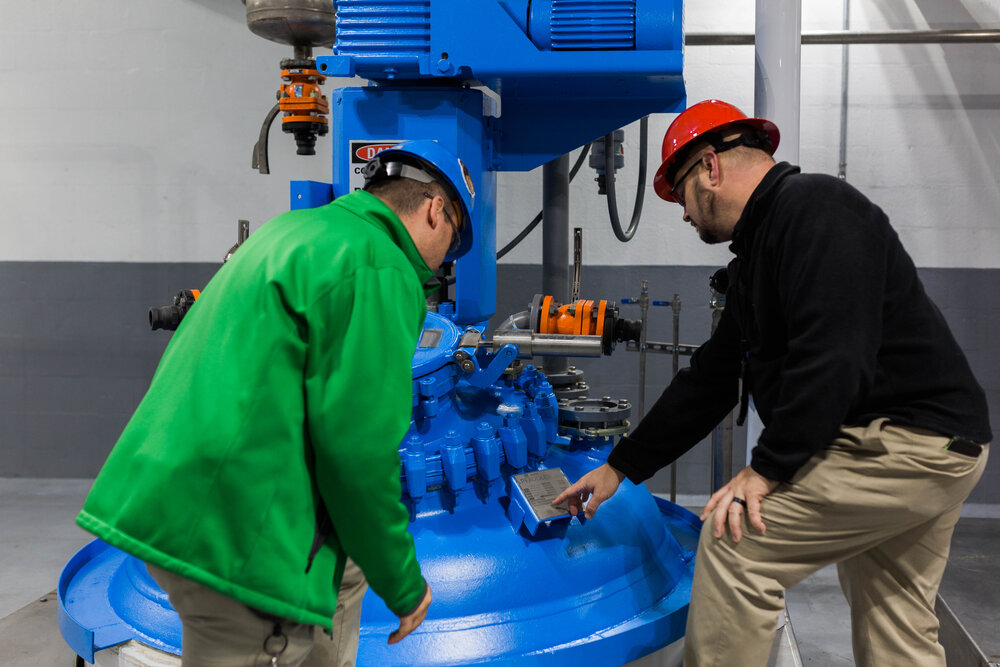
[538, 218]
[609, 168]
[259, 160]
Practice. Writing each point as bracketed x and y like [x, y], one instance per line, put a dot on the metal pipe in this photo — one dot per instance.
[555, 240]
[777, 88]
[842, 166]
[644, 310]
[516, 321]
[675, 304]
[722, 435]
[777, 71]
[856, 37]
[547, 345]
[577, 261]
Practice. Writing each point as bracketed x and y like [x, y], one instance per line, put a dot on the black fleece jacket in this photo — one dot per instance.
[831, 325]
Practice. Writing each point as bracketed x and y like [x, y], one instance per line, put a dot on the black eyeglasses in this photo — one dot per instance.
[456, 236]
[759, 139]
[675, 191]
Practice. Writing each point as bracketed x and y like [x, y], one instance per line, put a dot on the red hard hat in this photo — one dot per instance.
[707, 116]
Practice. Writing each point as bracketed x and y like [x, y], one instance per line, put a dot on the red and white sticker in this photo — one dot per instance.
[361, 153]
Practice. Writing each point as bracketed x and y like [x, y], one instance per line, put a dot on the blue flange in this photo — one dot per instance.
[106, 598]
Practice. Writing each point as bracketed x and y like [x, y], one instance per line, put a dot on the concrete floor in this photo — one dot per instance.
[38, 535]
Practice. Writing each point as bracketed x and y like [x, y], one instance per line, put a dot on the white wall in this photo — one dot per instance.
[127, 126]
[923, 134]
[126, 129]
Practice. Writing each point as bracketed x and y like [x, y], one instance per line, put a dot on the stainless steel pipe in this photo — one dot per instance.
[548, 345]
[856, 37]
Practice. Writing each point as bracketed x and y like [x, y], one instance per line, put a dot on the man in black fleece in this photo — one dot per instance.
[875, 429]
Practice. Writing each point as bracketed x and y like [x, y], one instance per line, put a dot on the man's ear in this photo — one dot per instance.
[432, 211]
[711, 159]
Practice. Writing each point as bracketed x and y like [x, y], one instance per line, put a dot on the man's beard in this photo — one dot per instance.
[707, 204]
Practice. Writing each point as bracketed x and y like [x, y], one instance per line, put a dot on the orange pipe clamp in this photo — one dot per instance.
[582, 318]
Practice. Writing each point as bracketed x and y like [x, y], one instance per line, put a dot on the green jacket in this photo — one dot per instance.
[287, 383]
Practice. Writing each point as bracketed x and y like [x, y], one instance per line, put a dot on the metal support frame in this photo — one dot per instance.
[675, 305]
[959, 646]
[844, 70]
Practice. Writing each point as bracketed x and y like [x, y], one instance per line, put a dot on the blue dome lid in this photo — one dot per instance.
[436, 345]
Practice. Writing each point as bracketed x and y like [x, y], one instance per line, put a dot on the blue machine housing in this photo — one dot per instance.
[458, 118]
[567, 72]
[560, 74]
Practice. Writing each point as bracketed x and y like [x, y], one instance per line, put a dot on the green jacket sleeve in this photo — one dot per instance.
[358, 399]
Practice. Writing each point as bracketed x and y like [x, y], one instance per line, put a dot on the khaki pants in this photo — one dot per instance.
[218, 631]
[882, 502]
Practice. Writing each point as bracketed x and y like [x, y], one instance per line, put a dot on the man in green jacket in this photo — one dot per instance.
[263, 460]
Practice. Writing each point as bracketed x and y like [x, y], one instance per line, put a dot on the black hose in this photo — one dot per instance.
[538, 218]
[259, 161]
[609, 168]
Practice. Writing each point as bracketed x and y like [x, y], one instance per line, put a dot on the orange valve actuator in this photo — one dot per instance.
[303, 103]
[583, 318]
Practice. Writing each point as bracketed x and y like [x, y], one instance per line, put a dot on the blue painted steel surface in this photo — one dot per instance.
[558, 91]
[600, 592]
[458, 118]
[106, 598]
[309, 194]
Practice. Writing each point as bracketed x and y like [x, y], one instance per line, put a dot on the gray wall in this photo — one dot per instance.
[76, 353]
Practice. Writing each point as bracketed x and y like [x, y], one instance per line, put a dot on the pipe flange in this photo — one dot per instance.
[567, 378]
[571, 392]
[298, 63]
[604, 412]
[535, 310]
[595, 433]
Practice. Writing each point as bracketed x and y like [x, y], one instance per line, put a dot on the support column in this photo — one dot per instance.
[777, 71]
[776, 96]
[555, 241]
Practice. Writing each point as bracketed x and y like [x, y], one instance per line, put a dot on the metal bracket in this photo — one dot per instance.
[483, 368]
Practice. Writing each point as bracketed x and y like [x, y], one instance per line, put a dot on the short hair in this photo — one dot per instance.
[405, 195]
[753, 140]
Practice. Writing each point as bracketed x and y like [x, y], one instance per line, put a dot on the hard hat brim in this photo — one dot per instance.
[662, 186]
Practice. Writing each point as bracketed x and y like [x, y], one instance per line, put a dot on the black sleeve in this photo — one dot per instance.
[830, 270]
[689, 408]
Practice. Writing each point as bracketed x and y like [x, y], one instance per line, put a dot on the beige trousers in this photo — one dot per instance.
[882, 502]
[341, 648]
[218, 631]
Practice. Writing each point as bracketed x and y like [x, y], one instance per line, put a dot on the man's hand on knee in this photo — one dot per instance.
[743, 493]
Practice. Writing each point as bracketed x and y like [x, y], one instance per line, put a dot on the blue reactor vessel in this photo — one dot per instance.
[508, 85]
[507, 590]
